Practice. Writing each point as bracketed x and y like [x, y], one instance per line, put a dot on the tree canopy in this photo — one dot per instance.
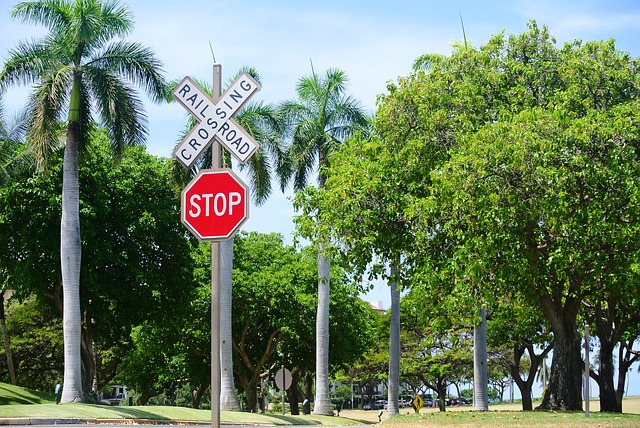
[508, 170]
[136, 265]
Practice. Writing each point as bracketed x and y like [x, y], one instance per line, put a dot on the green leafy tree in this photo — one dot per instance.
[136, 265]
[317, 123]
[518, 341]
[437, 345]
[556, 253]
[534, 207]
[14, 160]
[73, 69]
[36, 340]
[272, 288]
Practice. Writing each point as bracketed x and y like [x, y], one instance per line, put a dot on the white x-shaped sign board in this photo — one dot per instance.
[215, 119]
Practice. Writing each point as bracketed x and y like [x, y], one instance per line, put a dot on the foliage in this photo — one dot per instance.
[437, 347]
[136, 265]
[274, 306]
[321, 119]
[36, 343]
[318, 122]
[76, 70]
[14, 158]
[506, 171]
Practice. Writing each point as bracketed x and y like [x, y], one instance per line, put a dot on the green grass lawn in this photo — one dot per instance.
[18, 402]
[493, 419]
[10, 394]
[115, 413]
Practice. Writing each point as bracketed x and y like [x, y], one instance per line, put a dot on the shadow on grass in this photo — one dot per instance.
[15, 395]
[300, 420]
[293, 420]
[131, 413]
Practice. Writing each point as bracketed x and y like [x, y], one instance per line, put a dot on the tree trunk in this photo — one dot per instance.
[87, 355]
[308, 386]
[626, 357]
[294, 392]
[322, 402]
[198, 394]
[252, 396]
[6, 342]
[564, 391]
[608, 401]
[228, 396]
[441, 389]
[145, 397]
[394, 345]
[523, 386]
[480, 392]
[70, 253]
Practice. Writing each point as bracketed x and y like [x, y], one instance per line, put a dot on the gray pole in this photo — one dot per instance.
[215, 280]
[586, 370]
[283, 387]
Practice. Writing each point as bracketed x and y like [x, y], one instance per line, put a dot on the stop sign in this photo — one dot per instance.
[215, 204]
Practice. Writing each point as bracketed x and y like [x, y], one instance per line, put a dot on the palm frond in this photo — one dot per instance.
[319, 121]
[121, 109]
[26, 64]
[47, 106]
[135, 63]
[52, 14]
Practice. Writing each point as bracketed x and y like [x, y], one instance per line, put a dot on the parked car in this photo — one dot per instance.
[367, 406]
[380, 404]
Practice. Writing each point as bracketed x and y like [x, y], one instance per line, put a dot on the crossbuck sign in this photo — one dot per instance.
[215, 119]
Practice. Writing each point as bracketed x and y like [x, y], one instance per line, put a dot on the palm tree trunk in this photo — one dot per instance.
[322, 402]
[394, 345]
[70, 252]
[480, 392]
[228, 397]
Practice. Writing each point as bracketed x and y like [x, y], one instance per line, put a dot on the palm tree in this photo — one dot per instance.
[394, 344]
[317, 123]
[265, 126]
[76, 70]
[480, 392]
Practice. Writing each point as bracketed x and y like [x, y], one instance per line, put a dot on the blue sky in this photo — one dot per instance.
[373, 41]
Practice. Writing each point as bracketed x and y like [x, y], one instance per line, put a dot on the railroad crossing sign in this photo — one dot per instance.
[215, 204]
[215, 119]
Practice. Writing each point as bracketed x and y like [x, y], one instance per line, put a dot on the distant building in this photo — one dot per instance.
[377, 306]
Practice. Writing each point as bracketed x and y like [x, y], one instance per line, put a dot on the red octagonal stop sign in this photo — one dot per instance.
[215, 204]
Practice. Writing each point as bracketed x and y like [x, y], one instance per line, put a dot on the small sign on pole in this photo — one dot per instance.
[283, 381]
[417, 403]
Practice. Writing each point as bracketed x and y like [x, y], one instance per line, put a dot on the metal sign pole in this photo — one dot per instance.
[586, 370]
[283, 388]
[215, 279]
